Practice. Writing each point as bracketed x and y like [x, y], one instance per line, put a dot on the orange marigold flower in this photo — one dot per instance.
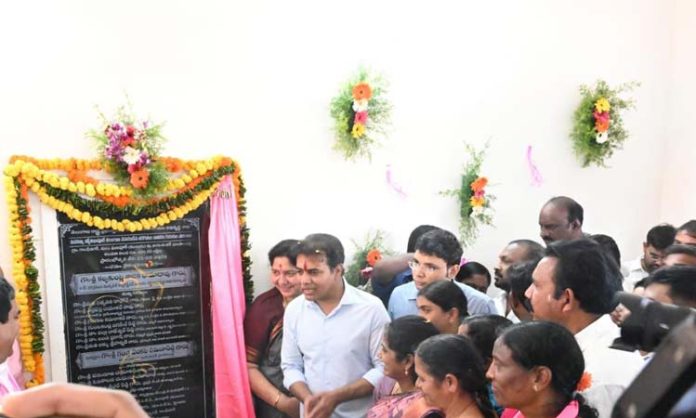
[585, 382]
[479, 184]
[373, 256]
[139, 178]
[362, 91]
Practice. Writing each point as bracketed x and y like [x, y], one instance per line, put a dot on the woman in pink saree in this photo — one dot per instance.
[396, 396]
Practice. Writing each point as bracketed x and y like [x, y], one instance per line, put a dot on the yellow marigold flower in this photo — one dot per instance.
[201, 168]
[602, 105]
[186, 178]
[89, 189]
[477, 201]
[358, 130]
[193, 173]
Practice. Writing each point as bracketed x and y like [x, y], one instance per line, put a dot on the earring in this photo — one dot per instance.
[536, 388]
[405, 372]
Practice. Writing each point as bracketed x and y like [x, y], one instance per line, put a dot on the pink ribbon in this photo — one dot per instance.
[537, 179]
[397, 188]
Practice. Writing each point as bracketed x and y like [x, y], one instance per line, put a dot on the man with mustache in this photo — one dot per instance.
[517, 251]
[560, 219]
[331, 335]
[656, 242]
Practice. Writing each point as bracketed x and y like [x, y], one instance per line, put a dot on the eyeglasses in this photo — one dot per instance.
[429, 268]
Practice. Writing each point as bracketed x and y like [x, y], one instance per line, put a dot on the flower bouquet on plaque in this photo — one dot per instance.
[129, 149]
[597, 125]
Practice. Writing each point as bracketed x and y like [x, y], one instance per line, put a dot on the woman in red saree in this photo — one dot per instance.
[263, 334]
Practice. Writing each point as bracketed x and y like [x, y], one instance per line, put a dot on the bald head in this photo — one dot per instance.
[561, 219]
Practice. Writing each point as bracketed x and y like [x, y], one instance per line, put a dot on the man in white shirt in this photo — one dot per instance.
[517, 251]
[573, 285]
[331, 335]
[658, 239]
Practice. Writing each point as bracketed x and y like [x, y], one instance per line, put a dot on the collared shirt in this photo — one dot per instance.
[633, 273]
[501, 305]
[403, 301]
[330, 351]
[611, 370]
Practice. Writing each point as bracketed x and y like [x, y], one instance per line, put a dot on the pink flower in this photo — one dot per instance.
[132, 168]
[361, 117]
[479, 193]
[602, 117]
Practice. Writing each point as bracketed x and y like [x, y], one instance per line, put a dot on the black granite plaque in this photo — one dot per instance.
[137, 313]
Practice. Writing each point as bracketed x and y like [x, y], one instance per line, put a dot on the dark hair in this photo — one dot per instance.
[575, 211]
[324, 244]
[535, 251]
[520, 278]
[609, 246]
[442, 244]
[689, 227]
[447, 295]
[661, 236]
[582, 267]
[417, 233]
[681, 281]
[470, 268]
[7, 295]
[541, 343]
[685, 249]
[282, 249]
[456, 355]
[405, 333]
[483, 330]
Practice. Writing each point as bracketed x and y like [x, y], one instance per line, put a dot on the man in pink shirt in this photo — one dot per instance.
[9, 328]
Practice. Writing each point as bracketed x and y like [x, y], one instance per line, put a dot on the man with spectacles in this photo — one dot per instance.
[437, 257]
[560, 219]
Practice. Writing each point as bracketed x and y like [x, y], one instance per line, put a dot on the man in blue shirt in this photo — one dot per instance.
[437, 257]
[331, 335]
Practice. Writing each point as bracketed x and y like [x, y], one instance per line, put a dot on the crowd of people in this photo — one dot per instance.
[428, 341]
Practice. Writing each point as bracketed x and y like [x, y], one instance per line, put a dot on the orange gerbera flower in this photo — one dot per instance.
[362, 91]
[139, 178]
[585, 382]
[373, 256]
[601, 125]
[478, 184]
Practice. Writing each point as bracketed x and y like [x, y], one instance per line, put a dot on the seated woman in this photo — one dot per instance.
[451, 377]
[9, 329]
[536, 371]
[396, 394]
[475, 275]
[443, 303]
[263, 333]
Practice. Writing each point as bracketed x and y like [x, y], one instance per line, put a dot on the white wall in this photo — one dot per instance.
[678, 202]
[253, 80]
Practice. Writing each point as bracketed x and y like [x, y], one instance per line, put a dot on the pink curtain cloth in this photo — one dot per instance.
[232, 390]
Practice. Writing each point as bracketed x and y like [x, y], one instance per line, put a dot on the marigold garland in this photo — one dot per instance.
[105, 206]
[597, 128]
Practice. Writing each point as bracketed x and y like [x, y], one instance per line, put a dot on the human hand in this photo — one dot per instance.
[67, 399]
[620, 314]
[320, 405]
[289, 406]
